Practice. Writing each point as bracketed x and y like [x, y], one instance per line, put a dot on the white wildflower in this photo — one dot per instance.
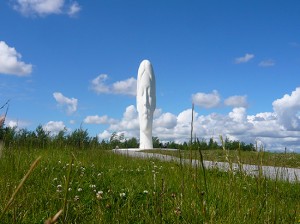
[122, 195]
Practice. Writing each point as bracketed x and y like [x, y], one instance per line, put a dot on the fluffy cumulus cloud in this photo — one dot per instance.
[236, 101]
[69, 103]
[273, 130]
[288, 110]
[238, 114]
[10, 61]
[244, 59]
[95, 119]
[123, 87]
[166, 120]
[127, 86]
[207, 100]
[46, 7]
[18, 124]
[54, 127]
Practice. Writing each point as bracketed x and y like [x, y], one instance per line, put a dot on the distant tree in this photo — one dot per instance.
[42, 136]
[116, 141]
[171, 145]
[94, 142]
[156, 142]
[132, 143]
[60, 139]
[203, 144]
[8, 135]
[104, 145]
[79, 138]
[212, 144]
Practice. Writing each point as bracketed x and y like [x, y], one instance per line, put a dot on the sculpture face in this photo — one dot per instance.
[146, 102]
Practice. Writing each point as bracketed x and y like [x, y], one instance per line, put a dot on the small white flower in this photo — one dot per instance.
[99, 195]
[55, 179]
[92, 186]
[145, 192]
[122, 195]
[59, 188]
[79, 189]
[69, 189]
[76, 198]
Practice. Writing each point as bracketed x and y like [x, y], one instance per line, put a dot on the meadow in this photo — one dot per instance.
[263, 158]
[67, 185]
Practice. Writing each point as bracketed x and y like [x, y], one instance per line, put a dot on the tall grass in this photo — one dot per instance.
[259, 157]
[95, 186]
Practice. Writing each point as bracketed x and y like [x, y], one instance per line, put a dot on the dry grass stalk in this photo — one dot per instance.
[54, 218]
[32, 167]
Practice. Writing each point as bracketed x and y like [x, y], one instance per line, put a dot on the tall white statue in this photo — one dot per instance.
[146, 102]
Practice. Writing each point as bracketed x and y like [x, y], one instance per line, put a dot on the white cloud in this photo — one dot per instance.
[54, 127]
[70, 103]
[185, 117]
[244, 59]
[287, 109]
[127, 87]
[207, 100]
[45, 7]
[98, 85]
[236, 101]
[105, 135]
[124, 87]
[10, 61]
[238, 114]
[74, 9]
[129, 124]
[15, 123]
[12, 124]
[166, 120]
[267, 63]
[98, 120]
[275, 130]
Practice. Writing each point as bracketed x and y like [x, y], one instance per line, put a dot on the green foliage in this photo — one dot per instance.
[80, 138]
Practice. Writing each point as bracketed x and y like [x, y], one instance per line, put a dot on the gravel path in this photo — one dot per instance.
[280, 173]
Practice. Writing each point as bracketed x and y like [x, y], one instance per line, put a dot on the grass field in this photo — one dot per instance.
[98, 186]
[246, 157]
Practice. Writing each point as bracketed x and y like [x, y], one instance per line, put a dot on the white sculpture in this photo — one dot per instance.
[146, 102]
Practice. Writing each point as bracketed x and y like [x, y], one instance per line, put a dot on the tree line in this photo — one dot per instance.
[80, 139]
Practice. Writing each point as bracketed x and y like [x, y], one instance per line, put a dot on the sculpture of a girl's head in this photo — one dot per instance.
[146, 102]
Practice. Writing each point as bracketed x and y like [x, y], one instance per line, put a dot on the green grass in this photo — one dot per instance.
[246, 157]
[97, 186]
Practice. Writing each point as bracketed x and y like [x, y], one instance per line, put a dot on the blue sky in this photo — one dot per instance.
[69, 63]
